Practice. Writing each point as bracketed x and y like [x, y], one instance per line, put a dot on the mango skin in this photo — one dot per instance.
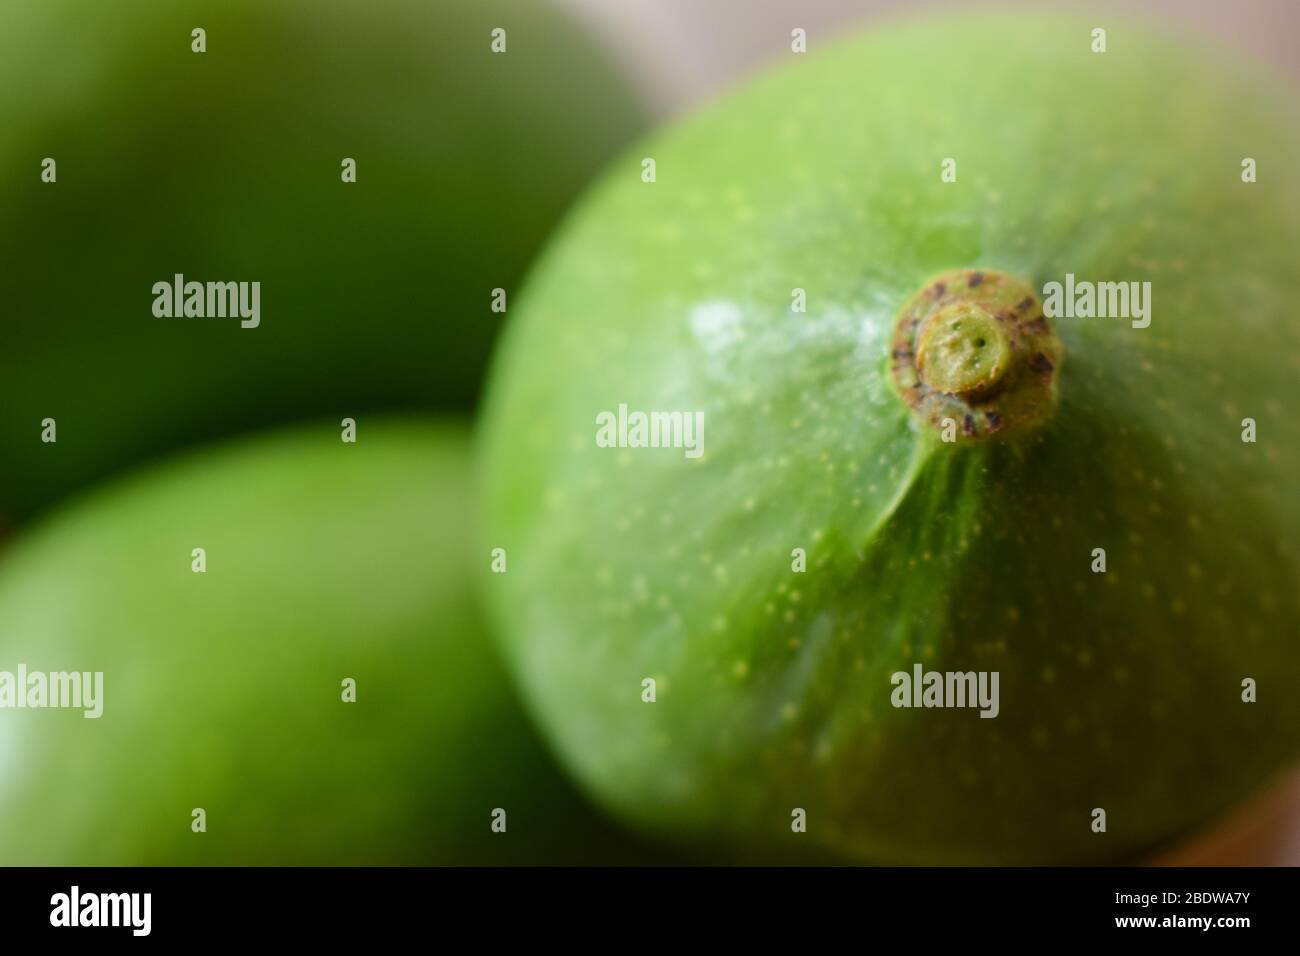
[1120, 691]
[226, 166]
[222, 690]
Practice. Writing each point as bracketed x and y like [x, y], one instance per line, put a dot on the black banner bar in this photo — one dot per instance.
[372, 905]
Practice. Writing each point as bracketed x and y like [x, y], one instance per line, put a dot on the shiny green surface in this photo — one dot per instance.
[1118, 690]
[222, 690]
[226, 166]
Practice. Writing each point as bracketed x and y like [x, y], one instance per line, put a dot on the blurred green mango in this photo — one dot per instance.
[227, 166]
[224, 690]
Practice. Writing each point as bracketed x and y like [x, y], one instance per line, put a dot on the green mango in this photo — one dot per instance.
[223, 690]
[227, 166]
[783, 573]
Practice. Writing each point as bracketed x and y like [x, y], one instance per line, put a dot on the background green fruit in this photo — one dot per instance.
[1119, 690]
[222, 690]
[226, 166]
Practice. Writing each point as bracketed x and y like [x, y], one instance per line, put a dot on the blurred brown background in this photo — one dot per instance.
[683, 51]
